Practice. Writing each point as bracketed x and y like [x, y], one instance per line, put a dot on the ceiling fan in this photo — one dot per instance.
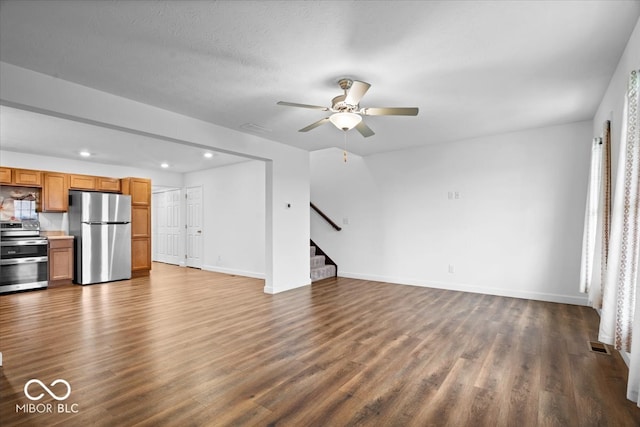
[346, 110]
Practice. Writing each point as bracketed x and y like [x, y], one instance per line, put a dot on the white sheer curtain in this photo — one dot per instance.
[620, 284]
[595, 245]
[590, 273]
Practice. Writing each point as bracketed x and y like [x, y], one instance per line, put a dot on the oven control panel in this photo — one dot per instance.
[26, 228]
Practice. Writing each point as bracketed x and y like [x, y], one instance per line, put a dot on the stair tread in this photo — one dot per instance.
[319, 273]
[319, 268]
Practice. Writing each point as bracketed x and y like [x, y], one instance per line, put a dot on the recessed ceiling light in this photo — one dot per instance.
[208, 154]
[85, 153]
[164, 165]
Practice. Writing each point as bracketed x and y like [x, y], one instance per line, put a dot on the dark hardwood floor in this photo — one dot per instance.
[191, 348]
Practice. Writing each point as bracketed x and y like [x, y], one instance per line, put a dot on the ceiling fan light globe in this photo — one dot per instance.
[345, 121]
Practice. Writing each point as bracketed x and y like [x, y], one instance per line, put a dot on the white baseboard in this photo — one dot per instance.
[538, 296]
[233, 271]
[270, 290]
[254, 275]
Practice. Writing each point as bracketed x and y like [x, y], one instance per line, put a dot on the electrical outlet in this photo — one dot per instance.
[451, 269]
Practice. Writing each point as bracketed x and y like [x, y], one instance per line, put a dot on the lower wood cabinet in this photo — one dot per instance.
[60, 261]
[140, 256]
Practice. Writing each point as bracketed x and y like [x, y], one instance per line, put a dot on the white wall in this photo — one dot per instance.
[515, 230]
[287, 168]
[234, 217]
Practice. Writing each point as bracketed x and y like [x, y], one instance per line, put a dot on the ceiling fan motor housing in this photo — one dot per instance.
[339, 106]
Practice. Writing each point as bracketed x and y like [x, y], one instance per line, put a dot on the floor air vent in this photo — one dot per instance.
[598, 347]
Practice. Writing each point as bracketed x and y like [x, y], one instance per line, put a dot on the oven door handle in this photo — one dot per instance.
[23, 242]
[13, 261]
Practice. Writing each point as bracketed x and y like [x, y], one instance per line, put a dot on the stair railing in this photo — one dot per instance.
[325, 217]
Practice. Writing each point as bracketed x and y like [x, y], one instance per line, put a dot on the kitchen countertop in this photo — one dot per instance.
[53, 235]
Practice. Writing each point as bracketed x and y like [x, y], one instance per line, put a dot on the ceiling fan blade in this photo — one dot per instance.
[293, 104]
[364, 129]
[392, 111]
[356, 92]
[314, 125]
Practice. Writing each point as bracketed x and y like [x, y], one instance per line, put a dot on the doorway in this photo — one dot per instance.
[177, 227]
[168, 226]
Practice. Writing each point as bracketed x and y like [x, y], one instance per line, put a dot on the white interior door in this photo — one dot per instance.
[194, 227]
[168, 227]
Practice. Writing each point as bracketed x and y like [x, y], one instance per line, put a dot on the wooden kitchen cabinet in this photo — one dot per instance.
[55, 192]
[140, 257]
[82, 182]
[107, 184]
[60, 261]
[140, 191]
[5, 175]
[21, 177]
[27, 177]
[140, 221]
[94, 183]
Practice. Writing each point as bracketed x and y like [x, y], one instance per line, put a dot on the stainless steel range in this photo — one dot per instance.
[23, 258]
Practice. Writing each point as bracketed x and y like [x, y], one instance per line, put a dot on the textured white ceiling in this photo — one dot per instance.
[27, 132]
[472, 67]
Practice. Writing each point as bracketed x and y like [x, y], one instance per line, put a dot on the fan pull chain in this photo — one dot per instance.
[344, 152]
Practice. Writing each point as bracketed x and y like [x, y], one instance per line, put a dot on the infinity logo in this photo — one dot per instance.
[52, 394]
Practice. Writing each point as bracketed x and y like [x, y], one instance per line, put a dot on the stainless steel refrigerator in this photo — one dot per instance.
[101, 226]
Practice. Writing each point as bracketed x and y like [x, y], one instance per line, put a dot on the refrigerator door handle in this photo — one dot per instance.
[104, 222]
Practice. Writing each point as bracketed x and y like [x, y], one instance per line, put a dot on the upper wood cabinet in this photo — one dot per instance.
[55, 192]
[107, 184]
[6, 175]
[82, 182]
[139, 189]
[21, 177]
[27, 177]
[94, 183]
[55, 186]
